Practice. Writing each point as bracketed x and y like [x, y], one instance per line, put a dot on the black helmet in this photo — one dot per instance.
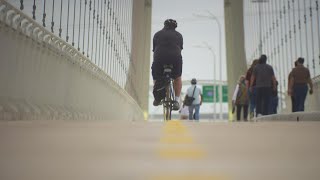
[193, 81]
[170, 23]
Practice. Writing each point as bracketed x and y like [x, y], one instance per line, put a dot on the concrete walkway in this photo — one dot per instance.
[180, 150]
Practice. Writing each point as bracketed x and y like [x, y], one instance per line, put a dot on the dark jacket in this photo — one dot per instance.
[167, 45]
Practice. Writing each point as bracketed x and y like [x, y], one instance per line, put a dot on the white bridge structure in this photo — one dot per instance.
[75, 87]
[42, 76]
[91, 59]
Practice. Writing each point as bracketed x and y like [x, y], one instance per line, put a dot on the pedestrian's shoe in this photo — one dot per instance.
[156, 103]
[251, 115]
[175, 106]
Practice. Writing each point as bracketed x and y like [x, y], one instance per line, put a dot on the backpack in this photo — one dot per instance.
[159, 90]
[189, 100]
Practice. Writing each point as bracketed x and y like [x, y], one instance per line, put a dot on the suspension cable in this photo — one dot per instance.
[294, 30]
[52, 22]
[318, 20]
[84, 25]
[100, 31]
[60, 30]
[277, 50]
[281, 50]
[79, 25]
[269, 33]
[97, 34]
[286, 46]
[67, 37]
[21, 5]
[290, 35]
[34, 7]
[90, 3]
[299, 25]
[74, 16]
[44, 14]
[93, 18]
[103, 37]
[312, 41]
[108, 38]
[111, 40]
[306, 33]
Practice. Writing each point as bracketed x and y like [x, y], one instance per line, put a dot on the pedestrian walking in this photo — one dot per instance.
[195, 92]
[252, 94]
[299, 80]
[264, 77]
[241, 98]
[291, 95]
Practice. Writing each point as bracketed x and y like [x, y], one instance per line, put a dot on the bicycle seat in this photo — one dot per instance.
[167, 68]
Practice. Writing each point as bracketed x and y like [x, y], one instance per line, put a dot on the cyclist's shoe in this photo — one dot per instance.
[175, 106]
[156, 103]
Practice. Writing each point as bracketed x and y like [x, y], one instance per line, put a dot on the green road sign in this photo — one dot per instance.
[225, 94]
[208, 94]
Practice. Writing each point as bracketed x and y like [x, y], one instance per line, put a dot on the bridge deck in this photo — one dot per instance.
[32, 150]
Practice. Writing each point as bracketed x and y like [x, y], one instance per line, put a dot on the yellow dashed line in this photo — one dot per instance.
[177, 140]
[177, 144]
[189, 153]
[175, 127]
[177, 134]
[175, 131]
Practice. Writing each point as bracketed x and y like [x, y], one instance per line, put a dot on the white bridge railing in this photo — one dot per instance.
[20, 22]
[43, 77]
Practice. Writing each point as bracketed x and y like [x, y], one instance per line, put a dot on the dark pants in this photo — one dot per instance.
[299, 95]
[263, 100]
[292, 104]
[252, 96]
[273, 104]
[245, 112]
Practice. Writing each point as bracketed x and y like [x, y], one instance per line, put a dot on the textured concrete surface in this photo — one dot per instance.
[65, 150]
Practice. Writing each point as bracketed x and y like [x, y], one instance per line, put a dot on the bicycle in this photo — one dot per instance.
[168, 101]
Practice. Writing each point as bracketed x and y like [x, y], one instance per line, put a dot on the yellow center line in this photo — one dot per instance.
[189, 153]
[181, 144]
[178, 144]
[176, 140]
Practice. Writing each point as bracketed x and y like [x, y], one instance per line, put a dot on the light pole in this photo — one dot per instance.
[213, 17]
[207, 46]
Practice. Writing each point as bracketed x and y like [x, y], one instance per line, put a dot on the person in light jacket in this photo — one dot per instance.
[197, 102]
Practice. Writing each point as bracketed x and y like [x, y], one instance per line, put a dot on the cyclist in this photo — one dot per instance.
[167, 46]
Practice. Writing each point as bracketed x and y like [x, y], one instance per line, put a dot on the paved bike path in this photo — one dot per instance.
[157, 151]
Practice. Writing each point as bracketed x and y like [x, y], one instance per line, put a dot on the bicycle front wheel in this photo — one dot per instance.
[167, 105]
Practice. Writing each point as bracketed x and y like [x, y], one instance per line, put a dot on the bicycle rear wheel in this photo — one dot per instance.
[167, 105]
